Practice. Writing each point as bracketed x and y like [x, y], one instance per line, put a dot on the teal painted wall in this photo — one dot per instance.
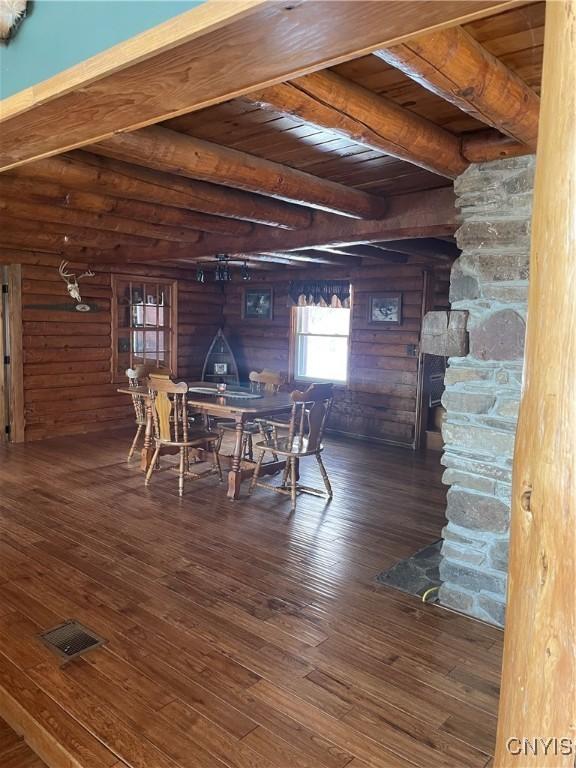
[60, 33]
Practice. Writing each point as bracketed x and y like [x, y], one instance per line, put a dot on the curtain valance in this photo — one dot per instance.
[319, 293]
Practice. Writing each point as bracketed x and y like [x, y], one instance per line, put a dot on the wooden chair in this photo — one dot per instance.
[268, 382]
[137, 377]
[310, 411]
[265, 382]
[172, 428]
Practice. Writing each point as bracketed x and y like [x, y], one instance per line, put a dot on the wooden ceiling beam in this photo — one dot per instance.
[99, 222]
[262, 266]
[454, 66]
[54, 245]
[420, 214]
[314, 256]
[62, 235]
[416, 214]
[253, 260]
[288, 258]
[235, 263]
[36, 191]
[256, 263]
[331, 257]
[173, 152]
[98, 174]
[21, 253]
[210, 54]
[272, 258]
[427, 247]
[235, 203]
[490, 144]
[43, 242]
[341, 106]
[95, 250]
[368, 252]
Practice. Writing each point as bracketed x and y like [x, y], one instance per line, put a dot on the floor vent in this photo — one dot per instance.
[71, 639]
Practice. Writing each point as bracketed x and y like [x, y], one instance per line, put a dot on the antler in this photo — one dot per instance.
[65, 275]
[62, 270]
[86, 274]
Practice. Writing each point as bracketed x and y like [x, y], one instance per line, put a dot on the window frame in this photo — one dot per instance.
[294, 349]
[171, 329]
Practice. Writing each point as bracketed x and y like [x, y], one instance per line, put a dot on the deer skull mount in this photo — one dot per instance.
[12, 12]
[73, 287]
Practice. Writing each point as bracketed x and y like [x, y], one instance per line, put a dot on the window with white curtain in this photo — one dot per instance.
[321, 337]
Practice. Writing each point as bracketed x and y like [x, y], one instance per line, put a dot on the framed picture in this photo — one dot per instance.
[257, 304]
[221, 369]
[385, 308]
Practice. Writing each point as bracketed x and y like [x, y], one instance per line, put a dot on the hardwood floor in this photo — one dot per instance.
[238, 635]
[14, 752]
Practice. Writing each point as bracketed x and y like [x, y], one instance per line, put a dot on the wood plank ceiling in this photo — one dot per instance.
[335, 167]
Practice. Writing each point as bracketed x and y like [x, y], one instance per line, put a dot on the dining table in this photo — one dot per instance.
[237, 403]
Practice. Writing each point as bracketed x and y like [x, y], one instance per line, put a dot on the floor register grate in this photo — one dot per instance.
[71, 639]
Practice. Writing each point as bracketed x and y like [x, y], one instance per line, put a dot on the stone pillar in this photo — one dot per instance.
[490, 281]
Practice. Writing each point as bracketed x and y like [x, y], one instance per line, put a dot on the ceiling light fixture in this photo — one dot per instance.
[245, 272]
[222, 273]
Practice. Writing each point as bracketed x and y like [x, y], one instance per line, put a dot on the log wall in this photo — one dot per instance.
[380, 400]
[68, 385]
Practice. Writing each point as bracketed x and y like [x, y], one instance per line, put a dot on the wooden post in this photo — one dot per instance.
[422, 408]
[3, 391]
[538, 700]
[16, 381]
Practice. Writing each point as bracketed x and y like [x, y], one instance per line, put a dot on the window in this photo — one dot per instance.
[321, 343]
[143, 324]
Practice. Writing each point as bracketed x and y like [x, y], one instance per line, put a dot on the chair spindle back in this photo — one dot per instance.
[168, 408]
[137, 377]
[266, 381]
[310, 411]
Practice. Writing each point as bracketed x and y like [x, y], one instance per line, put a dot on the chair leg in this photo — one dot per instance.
[257, 469]
[292, 461]
[181, 471]
[285, 473]
[216, 460]
[135, 441]
[324, 475]
[152, 466]
[250, 448]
